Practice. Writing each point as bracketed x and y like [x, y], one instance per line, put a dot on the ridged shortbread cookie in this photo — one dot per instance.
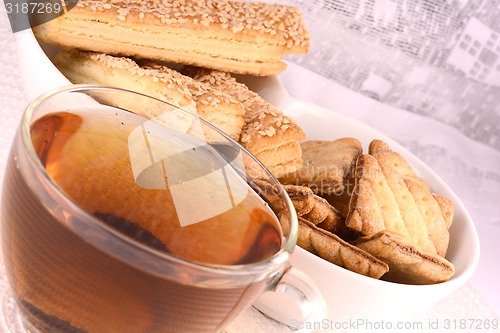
[373, 207]
[389, 196]
[421, 209]
[234, 36]
[326, 165]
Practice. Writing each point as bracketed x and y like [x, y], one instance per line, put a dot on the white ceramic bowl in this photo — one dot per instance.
[353, 297]
[350, 296]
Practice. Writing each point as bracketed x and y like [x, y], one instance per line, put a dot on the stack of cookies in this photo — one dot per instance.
[386, 221]
[137, 44]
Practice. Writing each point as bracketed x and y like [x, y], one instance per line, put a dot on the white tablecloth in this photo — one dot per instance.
[470, 166]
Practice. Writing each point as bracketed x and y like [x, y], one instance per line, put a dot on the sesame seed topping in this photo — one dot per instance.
[261, 119]
[278, 20]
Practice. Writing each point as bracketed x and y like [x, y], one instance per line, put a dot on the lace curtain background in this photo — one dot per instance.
[436, 58]
[432, 57]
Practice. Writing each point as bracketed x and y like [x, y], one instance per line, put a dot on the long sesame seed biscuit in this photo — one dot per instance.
[214, 106]
[234, 36]
[157, 81]
[447, 208]
[97, 68]
[267, 133]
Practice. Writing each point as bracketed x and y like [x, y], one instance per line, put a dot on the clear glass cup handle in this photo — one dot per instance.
[296, 301]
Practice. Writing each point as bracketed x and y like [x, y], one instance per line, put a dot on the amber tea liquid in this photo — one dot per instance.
[65, 283]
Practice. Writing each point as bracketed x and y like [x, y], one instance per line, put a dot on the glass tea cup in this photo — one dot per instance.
[123, 213]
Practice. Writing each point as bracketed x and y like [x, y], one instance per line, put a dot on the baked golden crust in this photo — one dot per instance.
[212, 105]
[381, 151]
[98, 68]
[373, 207]
[409, 208]
[157, 81]
[447, 208]
[432, 216]
[426, 219]
[335, 250]
[233, 36]
[267, 133]
[407, 264]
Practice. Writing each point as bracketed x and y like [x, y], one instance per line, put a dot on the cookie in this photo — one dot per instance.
[372, 207]
[326, 165]
[429, 215]
[333, 249]
[388, 195]
[314, 208]
[157, 81]
[407, 264]
[234, 36]
[381, 150]
[432, 215]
